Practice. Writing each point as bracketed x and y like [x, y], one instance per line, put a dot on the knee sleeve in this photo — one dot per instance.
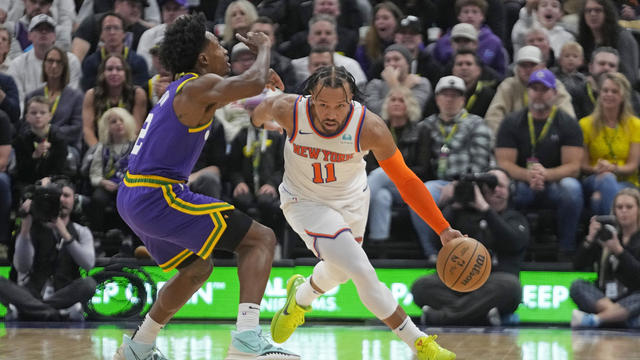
[327, 276]
[345, 254]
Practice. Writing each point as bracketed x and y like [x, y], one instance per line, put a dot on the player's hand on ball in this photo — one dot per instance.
[449, 234]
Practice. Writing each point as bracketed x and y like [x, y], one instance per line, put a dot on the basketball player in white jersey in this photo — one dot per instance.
[325, 199]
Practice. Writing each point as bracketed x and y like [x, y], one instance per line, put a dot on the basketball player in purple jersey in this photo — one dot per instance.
[181, 228]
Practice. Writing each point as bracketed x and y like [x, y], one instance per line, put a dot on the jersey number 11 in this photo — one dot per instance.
[317, 173]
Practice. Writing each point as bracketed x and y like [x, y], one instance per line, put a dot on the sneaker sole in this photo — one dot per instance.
[235, 354]
[290, 283]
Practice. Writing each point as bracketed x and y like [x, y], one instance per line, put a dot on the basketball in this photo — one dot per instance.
[464, 264]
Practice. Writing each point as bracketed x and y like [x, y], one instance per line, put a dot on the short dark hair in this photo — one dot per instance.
[264, 20]
[482, 4]
[110, 13]
[605, 49]
[37, 99]
[183, 41]
[468, 52]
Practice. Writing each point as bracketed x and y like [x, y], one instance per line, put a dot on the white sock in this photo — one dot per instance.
[408, 332]
[148, 331]
[248, 316]
[306, 294]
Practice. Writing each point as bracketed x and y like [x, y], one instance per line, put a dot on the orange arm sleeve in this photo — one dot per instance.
[414, 192]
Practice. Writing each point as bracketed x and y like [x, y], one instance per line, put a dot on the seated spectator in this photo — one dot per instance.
[505, 233]
[604, 60]
[318, 57]
[540, 146]
[10, 102]
[460, 144]
[512, 94]
[279, 63]
[171, 10]
[570, 60]
[5, 180]
[61, 11]
[544, 13]
[598, 26]
[255, 171]
[322, 32]
[113, 88]
[396, 73]
[614, 251]
[480, 80]
[5, 46]
[409, 35]
[149, 13]
[490, 48]
[380, 34]
[66, 102]
[49, 253]
[40, 149]
[112, 38]
[297, 45]
[611, 144]
[447, 16]
[87, 36]
[401, 112]
[238, 17]
[117, 131]
[26, 69]
[539, 37]
[157, 84]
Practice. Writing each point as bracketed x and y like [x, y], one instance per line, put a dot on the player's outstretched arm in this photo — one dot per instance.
[214, 89]
[275, 113]
[377, 138]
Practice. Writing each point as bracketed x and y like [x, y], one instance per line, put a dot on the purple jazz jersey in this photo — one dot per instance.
[165, 146]
[154, 200]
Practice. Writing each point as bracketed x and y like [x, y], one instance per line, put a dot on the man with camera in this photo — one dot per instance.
[612, 247]
[505, 232]
[460, 144]
[49, 251]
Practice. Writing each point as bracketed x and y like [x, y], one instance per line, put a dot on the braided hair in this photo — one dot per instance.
[183, 41]
[333, 77]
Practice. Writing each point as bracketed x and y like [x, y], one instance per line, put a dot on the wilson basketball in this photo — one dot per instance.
[464, 264]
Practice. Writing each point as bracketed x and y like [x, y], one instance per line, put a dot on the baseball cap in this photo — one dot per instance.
[410, 24]
[450, 82]
[544, 77]
[464, 30]
[41, 19]
[238, 49]
[529, 53]
[401, 49]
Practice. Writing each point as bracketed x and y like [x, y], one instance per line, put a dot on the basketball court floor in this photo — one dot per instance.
[353, 341]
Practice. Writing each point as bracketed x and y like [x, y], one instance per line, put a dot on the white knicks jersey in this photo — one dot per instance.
[327, 169]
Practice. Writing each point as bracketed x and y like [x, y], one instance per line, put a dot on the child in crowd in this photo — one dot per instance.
[546, 13]
[570, 60]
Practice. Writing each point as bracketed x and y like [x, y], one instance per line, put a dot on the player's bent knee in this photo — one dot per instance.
[198, 271]
[258, 236]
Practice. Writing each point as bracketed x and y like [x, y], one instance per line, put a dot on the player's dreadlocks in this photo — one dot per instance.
[333, 77]
[183, 41]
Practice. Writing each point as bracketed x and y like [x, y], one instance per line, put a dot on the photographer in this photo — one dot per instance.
[49, 251]
[505, 233]
[460, 142]
[613, 247]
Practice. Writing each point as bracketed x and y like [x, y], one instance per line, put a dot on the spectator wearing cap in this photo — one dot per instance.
[480, 80]
[171, 10]
[279, 63]
[512, 94]
[297, 45]
[540, 146]
[87, 36]
[26, 69]
[112, 36]
[409, 35]
[20, 13]
[322, 32]
[397, 60]
[460, 143]
[490, 48]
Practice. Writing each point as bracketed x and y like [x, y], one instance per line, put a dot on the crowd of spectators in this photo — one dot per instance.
[545, 89]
